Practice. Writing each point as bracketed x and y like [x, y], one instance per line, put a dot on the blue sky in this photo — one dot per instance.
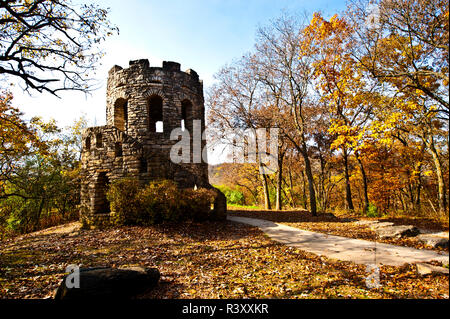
[200, 34]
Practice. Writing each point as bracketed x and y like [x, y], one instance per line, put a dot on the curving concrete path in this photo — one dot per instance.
[343, 248]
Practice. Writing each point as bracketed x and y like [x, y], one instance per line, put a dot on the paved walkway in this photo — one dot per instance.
[343, 248]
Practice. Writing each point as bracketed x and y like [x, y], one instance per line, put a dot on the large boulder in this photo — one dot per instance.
[111, 283]
[397, 231]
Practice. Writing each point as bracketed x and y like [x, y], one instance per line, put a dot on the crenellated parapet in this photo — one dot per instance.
[151, 95]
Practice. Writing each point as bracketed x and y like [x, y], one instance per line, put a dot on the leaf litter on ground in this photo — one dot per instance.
[201, 260]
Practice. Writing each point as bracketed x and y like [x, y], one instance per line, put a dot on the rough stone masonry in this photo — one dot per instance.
[143, 105]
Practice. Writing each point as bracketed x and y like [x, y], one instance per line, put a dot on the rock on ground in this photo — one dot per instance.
[434, 240]
[366, 222]
[111, 283]
[397, 231]
[381, 225]
[427, 269]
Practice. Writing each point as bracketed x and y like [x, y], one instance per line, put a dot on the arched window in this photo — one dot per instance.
[155, 114]
[144, 166]
[118, 149]
[87, 144]
[121, 114]
[186, 115]
[98, 140]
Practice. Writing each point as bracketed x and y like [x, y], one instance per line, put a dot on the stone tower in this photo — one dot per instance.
[143, 105]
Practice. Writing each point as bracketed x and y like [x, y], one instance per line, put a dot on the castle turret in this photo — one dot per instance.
[153, 98]
[144, 104]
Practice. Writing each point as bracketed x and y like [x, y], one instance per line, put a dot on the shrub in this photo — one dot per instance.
[156, 202]
[372, 211]
[159, 201]
[197, 203]
[124, 203]
[234, 196]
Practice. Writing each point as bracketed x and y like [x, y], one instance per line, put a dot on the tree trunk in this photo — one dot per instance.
[309, 175]
[321, 186]
[348, 192]
[365, 185]
[291, 188]
[263, 177]
[419, 186]
[38, 215]
[402, 201]
[278, 204]
[440, 177]
[410, 191]
[266, 192]
[305, 202]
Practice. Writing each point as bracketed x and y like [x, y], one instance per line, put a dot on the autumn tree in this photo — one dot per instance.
[361, 103]
[344, 88]
[295, 180]
[405, 48]
[273, 115]
[18, 139]
[233, 103]
[243, 178]
[41, 184]
[287, 79]
[51, 45]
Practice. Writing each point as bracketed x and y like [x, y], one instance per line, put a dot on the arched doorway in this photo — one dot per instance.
[101, 203]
